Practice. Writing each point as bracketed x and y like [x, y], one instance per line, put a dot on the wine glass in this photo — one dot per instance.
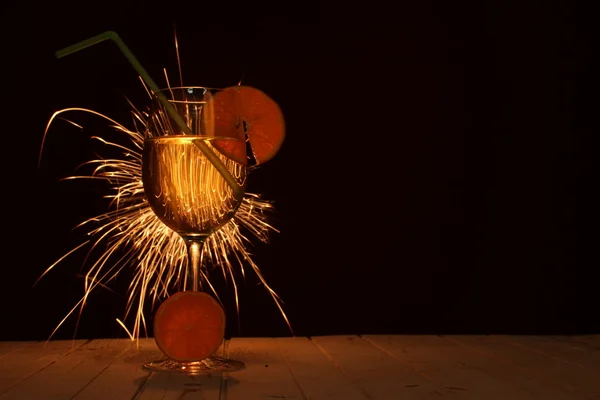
[194, 177]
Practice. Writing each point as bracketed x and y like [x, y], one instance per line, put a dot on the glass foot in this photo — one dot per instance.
[202, 367]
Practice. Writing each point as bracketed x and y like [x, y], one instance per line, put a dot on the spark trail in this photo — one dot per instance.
[131, 237]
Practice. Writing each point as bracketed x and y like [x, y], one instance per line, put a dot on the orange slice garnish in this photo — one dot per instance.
[244, 110]
[189, 326]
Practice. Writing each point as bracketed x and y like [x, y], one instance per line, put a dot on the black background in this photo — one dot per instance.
[433, 178]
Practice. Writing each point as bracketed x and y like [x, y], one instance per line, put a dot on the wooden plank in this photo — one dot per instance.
[68, 375]
[592, 342]
[375, 373]
[318, 377]
[24, 363]
[554, 374]
[123, 378]
[457, 368]
[328, 367]
[176, 386]
[7, 347]
[574, 354]
[11, 344]
[267, 376]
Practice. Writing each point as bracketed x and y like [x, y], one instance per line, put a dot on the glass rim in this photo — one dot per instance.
[171, 97]
[172, 88]
[204, 137]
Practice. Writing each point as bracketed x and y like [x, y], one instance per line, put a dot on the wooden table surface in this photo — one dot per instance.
[369, 367]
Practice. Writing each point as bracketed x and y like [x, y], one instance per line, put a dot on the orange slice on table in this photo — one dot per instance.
[189, 326]
[244, 110]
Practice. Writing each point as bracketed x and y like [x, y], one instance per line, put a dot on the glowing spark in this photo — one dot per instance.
[145, 87]
[167, 79]
[126, 330]
[178, 59]
[56, 114]
[130, 235]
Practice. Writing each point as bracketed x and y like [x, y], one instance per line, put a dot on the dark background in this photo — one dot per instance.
[436, 176]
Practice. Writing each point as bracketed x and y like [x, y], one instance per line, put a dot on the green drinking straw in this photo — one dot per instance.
[212, 157]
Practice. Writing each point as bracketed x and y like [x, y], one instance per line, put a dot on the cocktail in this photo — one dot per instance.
[190, 195]
[194, 166]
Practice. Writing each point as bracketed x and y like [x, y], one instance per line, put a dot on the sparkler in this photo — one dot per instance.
[130, 235]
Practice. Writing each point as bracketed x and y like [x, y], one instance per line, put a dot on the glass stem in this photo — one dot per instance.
[194, 248]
